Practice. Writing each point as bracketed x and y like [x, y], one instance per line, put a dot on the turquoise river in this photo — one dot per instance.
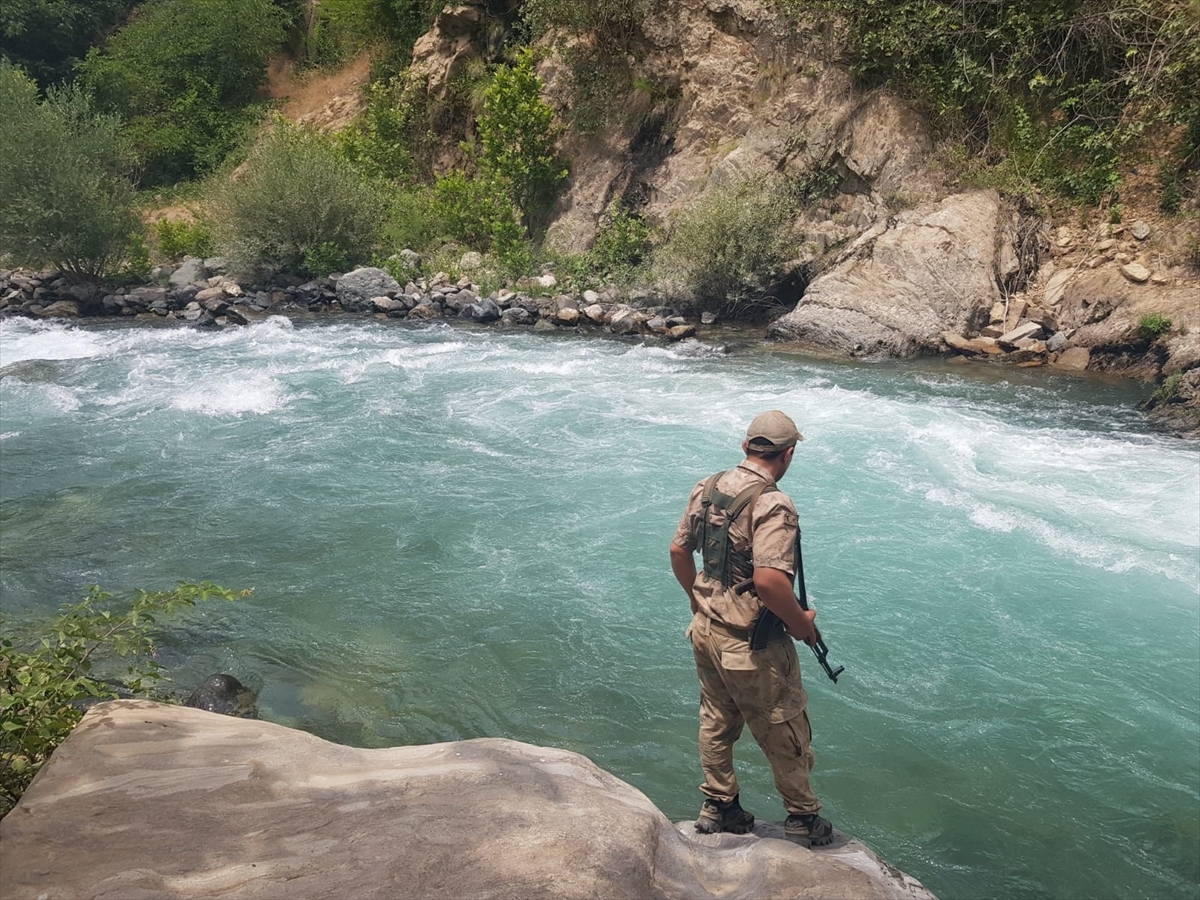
[455, 532]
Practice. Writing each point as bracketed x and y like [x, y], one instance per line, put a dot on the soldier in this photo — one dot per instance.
[745, 527]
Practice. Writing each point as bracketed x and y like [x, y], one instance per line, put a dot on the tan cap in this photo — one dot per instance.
[772, 431]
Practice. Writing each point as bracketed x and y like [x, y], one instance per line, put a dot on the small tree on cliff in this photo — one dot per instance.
[67, 195]
[518, 137]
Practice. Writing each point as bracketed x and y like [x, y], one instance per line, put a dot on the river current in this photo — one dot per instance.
[455, 533]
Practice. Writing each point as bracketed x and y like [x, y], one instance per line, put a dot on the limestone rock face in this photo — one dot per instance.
[906, 280]
[732, 100]
[147, 800]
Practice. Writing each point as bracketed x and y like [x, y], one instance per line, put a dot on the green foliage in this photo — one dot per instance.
[46, 37]
[42, 681]
[325, 259]
[517, 137]
[622, 241]
[184, 75]
[614, 23]
[68, 201]
[1168, 391]
[1053, 92]
[728, 249]
[338, 30]
[177, 239]
[297, 203]
[393, 138]
[1153, 325]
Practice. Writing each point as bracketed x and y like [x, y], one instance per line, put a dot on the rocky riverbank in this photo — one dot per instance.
[200, 293]
[149, 800]
[963, 277]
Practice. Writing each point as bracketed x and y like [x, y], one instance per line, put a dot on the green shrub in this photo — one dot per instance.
[296, 203]
[73, 659]
[46, 37]
[68, 201]
[1168, 391]
[338, 30]
[393, 138]
[184, 74]
[1054, 92]
[177, 239]
[517, 137]
[1153, 325]
[729, 247]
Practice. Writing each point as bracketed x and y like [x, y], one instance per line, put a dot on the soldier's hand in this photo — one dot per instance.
[807, 632]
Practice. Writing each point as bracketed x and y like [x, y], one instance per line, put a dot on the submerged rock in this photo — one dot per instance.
[148, 800]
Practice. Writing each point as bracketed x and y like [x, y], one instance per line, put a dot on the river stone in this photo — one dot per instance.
[190, 271]
[567, 316]
[483, 311]
[1136, 272]
[1056, 286]
[1075, 358]
[149, 800]
[903, 282]
[516, 315]
[224, 694]
[1021, 332]
[61, 309]
[356, 289]
[679, 332]
[594, 313]
[423, 311]
[1140, 230]
[387, 304]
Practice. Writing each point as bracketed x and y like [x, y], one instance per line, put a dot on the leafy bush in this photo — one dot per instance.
[297, 203]
[393, 137]
[46, 37]
[67, 198]
[1055, 91]
[1153, 325]
[72, 660]
[177, 239]
[622, 241]
[1168, 391]
[340, 29]
[729, 247]
[518, 136]
[184, 75]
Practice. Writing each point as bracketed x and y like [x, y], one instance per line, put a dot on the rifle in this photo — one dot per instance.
[767, 622]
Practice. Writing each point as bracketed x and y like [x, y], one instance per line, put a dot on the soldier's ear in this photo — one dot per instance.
[746, 447]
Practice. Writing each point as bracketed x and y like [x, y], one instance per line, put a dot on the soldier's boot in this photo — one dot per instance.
[808, 829]
[716, 817]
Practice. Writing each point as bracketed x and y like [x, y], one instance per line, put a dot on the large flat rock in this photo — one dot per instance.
[145, 800]
[908, 279]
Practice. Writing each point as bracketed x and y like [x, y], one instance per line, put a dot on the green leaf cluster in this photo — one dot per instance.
[518, 138]
[68, 198]
[46, 37]
[177, 239]
[184, 76]
[75, 658]
[297, 204]
[1053, 92]
[1153, 326]
[728, 249]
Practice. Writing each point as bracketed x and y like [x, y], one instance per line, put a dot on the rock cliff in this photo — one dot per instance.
[891, 258]
[148, 800]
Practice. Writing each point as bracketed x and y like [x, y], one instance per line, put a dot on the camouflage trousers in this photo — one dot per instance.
[762, 689]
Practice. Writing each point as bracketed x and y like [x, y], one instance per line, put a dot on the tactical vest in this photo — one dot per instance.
[721, 562]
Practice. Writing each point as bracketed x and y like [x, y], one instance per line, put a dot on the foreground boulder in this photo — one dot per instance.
[910, 278]
[147, 800]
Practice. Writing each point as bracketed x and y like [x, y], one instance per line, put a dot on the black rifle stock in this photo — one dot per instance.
[767, 622]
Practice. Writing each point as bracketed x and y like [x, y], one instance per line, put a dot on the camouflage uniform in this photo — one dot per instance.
[739, 687]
